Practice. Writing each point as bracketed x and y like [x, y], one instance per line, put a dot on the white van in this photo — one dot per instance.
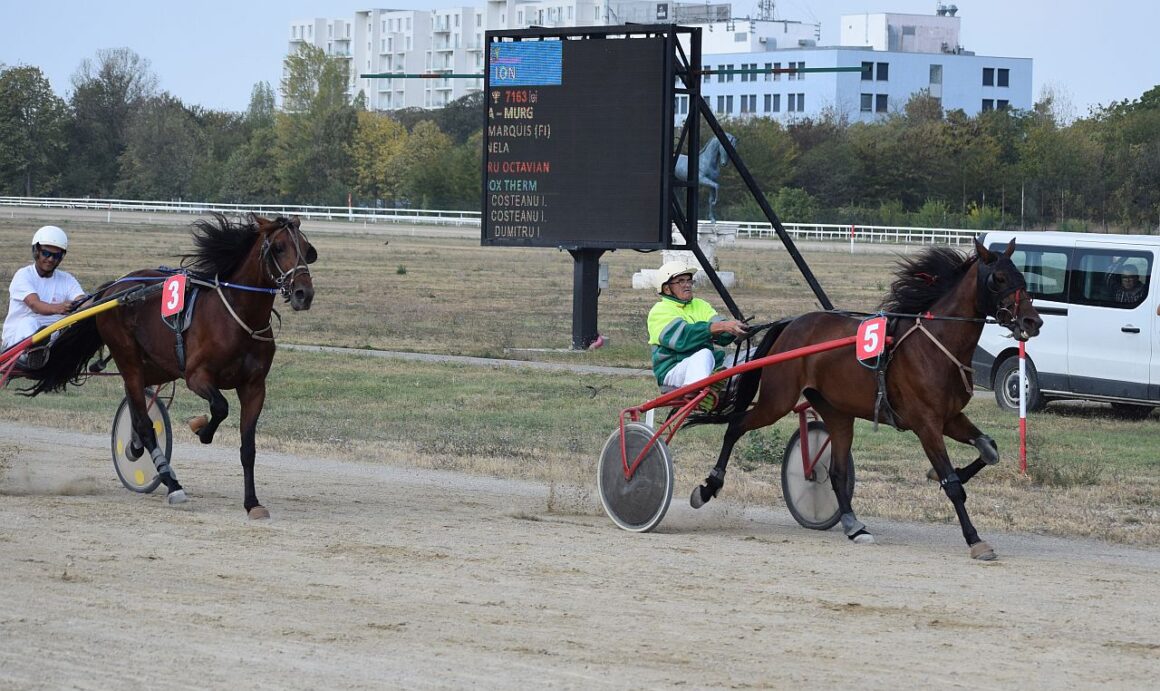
[1101, 335]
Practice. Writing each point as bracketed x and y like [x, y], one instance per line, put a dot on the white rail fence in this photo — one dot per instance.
[328, 213]
[823, 232]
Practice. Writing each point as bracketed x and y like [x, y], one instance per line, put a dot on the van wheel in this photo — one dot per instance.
[1007, 386]
[1129, 411]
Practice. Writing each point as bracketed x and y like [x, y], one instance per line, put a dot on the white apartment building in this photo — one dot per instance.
[896, 56]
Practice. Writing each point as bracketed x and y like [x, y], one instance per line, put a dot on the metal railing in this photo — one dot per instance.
[823, 232]
[832, 232]
[329, 213]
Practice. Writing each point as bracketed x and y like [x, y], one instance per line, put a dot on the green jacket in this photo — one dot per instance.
[678, 329]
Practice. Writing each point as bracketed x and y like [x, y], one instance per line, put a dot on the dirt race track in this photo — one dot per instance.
[370, 575]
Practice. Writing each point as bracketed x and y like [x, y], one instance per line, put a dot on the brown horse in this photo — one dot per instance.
[938, 304]
[236, 271]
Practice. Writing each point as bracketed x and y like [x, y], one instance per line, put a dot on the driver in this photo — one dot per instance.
[41, 293]
[683, 331]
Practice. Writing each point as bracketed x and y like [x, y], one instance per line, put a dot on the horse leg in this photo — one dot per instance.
[199, 383]
[252, 397]
[840, 427]
[962, 430]
[767, 411]
[952, 484]
[712, 198]
[144, 434]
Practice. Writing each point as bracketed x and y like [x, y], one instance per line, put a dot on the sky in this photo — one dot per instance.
[211, 53]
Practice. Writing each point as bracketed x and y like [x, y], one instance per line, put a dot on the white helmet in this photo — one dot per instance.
[52, 236]
[671, 270]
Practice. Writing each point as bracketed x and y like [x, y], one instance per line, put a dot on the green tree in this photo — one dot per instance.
[378, 144]
[424, 165]
[106, 91]
[33, 123]
[314, 164]
[162, 151]
[767, 150]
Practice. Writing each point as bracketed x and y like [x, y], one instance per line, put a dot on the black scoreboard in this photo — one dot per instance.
[577, 140]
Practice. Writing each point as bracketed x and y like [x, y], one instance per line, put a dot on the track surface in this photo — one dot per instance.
[372, 575]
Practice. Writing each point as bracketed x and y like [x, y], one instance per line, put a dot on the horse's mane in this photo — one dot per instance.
[920, 281]
[221, 245]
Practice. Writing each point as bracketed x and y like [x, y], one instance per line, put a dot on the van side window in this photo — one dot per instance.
[1044, 269]
[1111, 278]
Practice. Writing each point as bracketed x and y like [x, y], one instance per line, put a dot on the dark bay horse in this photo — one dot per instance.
[939, 302]
[238, 269]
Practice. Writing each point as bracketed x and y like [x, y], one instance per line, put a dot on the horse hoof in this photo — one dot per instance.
[932, 474]
[701, 496]
[195, 424]
[258, 513]
[983, 552]
[176, 497]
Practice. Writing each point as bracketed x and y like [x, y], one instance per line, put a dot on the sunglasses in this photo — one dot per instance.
[52, 255]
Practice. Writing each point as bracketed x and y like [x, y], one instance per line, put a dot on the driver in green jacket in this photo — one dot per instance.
[683, 330]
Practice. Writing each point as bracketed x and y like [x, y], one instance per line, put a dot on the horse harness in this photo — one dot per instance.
[988, 299]
[282, 281]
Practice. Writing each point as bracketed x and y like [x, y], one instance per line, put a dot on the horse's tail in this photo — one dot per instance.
[69, 356]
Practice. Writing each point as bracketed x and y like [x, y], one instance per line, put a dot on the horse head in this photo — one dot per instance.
[1002, 293]
[286, 253]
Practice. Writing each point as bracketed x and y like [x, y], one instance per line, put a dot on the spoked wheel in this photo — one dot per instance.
[133, 465]
[811, 500]
[637, 503]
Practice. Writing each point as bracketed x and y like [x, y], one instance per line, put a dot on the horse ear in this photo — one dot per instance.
[1010, 249]
[985, 255]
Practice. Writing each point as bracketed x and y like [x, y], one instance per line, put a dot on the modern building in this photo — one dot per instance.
[896, 55]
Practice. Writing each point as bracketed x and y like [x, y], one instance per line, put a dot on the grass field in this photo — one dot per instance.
[1090, 474]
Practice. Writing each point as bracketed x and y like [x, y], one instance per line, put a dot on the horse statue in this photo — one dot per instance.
[709, 163]
[936, 306]
[237, 270]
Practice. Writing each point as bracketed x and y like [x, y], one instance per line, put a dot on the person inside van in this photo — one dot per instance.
[1130, 290]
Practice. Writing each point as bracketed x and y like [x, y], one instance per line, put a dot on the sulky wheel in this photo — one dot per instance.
[133, 465]
[637, 503]
[811, 500]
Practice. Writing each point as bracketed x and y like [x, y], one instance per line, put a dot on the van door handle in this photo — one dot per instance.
[1130, 329]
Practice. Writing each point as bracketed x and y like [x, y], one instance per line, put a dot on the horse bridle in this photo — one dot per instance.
[285, 277]
[989, 293]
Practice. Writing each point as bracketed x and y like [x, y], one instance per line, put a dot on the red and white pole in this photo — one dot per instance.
[851, 239]
[1023, 407]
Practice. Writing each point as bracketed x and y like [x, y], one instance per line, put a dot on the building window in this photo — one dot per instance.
[867, 103]
[768, 72]
[720, 104]
[1002, 104]
[776, 74]
[1004, 76]
[801, 66]
[936, 74]
[777, 103]
[988, 76]
[752, 103]
[744, 104]
[867, 71]
[883, 71]
[728, 104]
[729, 76]
[706, 73]
[721, 74]
[768, 102]
[988, 104]
[880, 103]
